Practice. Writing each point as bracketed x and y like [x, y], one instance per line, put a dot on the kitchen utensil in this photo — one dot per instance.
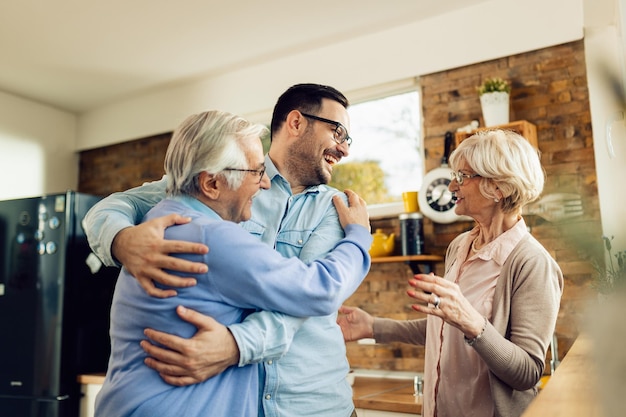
[556, 207]
[554, 351]
[436, 201]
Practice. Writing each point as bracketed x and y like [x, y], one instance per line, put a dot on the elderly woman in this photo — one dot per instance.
[491, 317]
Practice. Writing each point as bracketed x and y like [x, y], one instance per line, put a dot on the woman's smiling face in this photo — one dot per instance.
[469, 200]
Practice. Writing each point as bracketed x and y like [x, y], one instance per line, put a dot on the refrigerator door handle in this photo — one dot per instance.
[39, 399]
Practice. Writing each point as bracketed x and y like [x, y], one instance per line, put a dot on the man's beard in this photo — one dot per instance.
[306, 170]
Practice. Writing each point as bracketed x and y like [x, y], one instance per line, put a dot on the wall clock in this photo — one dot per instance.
[436, 201]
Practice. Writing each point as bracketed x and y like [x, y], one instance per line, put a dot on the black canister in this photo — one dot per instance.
[412, 233]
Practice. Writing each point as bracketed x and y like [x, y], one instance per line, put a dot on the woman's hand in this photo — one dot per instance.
[444, 299]
[355, 323]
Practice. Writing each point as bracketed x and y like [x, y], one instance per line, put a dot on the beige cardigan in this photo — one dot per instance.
[514, 345]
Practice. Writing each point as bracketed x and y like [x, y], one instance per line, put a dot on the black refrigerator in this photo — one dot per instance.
[54, 305]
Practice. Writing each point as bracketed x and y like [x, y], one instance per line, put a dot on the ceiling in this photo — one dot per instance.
[79, 54]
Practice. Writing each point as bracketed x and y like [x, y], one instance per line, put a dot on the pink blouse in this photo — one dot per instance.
[456, 380]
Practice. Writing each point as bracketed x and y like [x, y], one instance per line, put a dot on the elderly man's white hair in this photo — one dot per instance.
[210, 141]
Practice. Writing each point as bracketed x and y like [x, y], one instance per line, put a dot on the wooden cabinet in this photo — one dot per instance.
[385, 397]
[89, 388]
[524, 128]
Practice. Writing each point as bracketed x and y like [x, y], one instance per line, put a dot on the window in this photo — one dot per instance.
[386, 156]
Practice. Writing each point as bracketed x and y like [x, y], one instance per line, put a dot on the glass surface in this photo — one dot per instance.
[386, 157]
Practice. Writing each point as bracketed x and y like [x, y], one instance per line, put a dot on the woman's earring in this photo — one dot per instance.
[497, 200]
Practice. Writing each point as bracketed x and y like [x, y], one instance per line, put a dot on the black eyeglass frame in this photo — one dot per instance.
[460, 177]
[337, 126]
[259, 172]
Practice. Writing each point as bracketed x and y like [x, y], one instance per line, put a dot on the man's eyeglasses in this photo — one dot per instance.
[341, 133]
[259, 172]
[460, 177]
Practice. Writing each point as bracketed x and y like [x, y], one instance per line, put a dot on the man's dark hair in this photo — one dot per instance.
[306, 98]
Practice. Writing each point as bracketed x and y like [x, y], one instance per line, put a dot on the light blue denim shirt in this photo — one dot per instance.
[310, 379]
[304, 359]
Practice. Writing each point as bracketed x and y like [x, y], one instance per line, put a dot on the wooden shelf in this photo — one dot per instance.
[419, 264]
[524, 128]
[409, 258]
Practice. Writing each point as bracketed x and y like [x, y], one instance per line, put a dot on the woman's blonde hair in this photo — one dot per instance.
[506, 161]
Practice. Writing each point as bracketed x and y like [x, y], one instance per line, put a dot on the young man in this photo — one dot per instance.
[304, 361]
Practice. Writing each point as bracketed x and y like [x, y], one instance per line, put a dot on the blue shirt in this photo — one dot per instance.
[305, 361]
[228, 292]
[309, 378]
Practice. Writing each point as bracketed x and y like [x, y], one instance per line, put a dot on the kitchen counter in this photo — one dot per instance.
[386, 394]
[370, 393]
[571, 391]
[97, 379]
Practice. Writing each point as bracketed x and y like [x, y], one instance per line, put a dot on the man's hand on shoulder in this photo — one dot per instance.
[356, 211]
[144, 252]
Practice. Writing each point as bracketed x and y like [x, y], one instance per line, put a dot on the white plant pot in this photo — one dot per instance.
[495, 108]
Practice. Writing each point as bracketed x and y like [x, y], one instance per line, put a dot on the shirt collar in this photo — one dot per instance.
[501, 247]
[195, 204]
[277, 178]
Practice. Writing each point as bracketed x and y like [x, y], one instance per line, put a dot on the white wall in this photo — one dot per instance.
[37, 149]
[605, 51]
[449, 41]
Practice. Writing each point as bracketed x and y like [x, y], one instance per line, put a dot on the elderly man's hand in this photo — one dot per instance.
[190, 361]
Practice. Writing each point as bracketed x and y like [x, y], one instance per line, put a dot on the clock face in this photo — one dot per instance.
[438, 196]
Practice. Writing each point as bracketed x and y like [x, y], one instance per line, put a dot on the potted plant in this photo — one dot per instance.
[610, 275]
[492, 85]
[494, 100]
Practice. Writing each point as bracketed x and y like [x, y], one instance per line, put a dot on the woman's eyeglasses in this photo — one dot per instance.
[460, 177]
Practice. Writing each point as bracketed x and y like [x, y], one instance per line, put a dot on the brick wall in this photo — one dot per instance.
[122, 166]
[549, 89]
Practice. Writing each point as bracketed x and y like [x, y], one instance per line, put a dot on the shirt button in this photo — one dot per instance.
[268, 397]
[270, 362]
[300, 241]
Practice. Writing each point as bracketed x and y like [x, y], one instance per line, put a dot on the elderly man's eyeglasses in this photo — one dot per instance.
[259, 172]
[460, 177]
[341, 133]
